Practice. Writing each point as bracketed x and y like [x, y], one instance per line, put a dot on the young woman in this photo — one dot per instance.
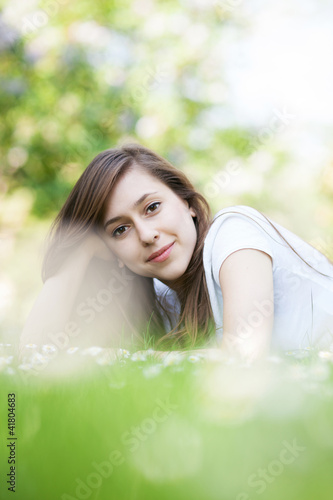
[134, 252]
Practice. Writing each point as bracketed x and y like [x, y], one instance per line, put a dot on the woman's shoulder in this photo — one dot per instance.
[242, 226]
[237, 218]
[236, 227]
[235, 210]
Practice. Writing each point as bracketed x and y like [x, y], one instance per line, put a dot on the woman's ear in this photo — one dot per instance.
[191, 210]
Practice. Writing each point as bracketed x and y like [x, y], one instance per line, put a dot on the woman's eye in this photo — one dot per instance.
[122, 229]
[116, 233]
[153, 204]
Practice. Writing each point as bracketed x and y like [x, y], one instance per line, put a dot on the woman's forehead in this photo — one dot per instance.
[132, 188]
[134, 180]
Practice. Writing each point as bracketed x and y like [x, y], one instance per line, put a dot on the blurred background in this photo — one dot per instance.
[237, 94]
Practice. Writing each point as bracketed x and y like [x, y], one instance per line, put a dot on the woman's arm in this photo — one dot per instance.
[246, 279]
[52, 308]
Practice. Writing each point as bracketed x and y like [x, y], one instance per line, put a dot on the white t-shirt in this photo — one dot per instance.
[303, 298]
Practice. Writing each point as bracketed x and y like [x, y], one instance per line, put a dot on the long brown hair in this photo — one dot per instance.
[85, 210]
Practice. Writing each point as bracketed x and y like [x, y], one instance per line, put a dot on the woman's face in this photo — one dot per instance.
[149, 216]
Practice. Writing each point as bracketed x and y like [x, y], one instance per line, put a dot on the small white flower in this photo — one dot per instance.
[5, 345]
[92, 351]
[105, 358]
[138, 356]
[72, 350]
[193, 358]
[31, 346]
[49, 349]
[325, 355]
[38, 359]
[6, 360]
[172, 358]
[10, 371]
[124, 353]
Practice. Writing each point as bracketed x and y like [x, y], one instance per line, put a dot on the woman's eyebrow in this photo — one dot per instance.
[135, 204]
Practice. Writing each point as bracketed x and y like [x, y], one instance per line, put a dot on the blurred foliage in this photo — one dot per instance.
[80, 78]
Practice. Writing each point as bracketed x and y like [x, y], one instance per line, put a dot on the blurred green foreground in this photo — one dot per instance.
[182, 428]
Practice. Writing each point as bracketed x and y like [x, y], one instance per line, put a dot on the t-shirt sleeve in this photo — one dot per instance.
[237, 232]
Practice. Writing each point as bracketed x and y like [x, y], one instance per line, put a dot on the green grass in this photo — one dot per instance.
[181, 430]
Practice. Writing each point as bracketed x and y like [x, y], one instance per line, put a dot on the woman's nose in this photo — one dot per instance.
[147, 234]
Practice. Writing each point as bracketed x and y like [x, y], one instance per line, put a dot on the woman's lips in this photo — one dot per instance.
[164, 255]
